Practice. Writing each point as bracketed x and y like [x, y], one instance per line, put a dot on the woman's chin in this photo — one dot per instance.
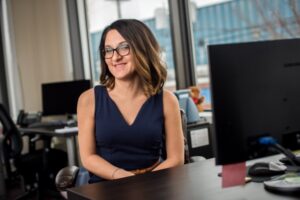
[124, 75]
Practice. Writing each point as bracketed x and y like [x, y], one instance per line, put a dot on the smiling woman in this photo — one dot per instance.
[122, 122]
[144, 48]
[119, 64]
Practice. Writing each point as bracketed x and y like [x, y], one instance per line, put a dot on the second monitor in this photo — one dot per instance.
[60, 98]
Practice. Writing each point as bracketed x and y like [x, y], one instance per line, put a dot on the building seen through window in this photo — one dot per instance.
[238, 21]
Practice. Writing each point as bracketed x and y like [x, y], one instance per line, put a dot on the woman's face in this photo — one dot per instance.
[118, 56]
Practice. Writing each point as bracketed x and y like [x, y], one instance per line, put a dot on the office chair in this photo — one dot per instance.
[31, 166]
[76, 176]
[27, 165]
[186, 103]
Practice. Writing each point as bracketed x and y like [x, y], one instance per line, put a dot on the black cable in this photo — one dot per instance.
[269, 141]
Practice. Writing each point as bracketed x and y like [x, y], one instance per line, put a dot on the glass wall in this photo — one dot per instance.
[232, 21]
[154, 13]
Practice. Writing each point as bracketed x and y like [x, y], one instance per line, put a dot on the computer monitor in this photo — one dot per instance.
[60, 98]
[255, 92]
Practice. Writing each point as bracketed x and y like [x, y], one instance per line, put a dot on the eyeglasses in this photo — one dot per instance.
[122, 50]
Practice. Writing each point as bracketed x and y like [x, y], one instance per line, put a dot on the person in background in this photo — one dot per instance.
[122, 121]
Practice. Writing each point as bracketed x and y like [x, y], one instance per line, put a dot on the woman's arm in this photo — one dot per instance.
[173, 131]
[87, 144]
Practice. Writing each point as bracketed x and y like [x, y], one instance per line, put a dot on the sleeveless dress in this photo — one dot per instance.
[129, 147]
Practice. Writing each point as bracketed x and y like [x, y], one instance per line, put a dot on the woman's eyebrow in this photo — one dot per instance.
[123, 42]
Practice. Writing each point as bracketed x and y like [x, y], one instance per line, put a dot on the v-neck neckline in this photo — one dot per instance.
[121, 114]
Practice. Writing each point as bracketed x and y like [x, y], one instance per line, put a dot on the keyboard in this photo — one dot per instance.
[48, 124]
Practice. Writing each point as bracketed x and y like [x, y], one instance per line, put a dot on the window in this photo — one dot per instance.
[154, 13]
[231, 21]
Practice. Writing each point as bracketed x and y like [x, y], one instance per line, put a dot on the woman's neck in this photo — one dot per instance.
[127, 88]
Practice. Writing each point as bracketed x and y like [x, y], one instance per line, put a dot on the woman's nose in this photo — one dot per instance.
[116, 56]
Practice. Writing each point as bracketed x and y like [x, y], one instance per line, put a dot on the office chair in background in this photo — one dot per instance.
[188, 106]
[27, 165]
[73, 176]
[35, 167]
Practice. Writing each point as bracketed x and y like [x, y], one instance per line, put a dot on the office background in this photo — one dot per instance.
[57, 40]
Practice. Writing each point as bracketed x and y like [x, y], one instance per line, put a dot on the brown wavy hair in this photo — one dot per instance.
[146, 54]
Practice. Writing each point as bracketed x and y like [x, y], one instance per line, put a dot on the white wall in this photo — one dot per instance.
[42, 46]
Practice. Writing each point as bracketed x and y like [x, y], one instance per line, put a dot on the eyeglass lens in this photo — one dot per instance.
[122, 50]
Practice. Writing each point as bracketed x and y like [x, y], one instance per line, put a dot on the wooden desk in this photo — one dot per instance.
[193, 181]
[70, 140]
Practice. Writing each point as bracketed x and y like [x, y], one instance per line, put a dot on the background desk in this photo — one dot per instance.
[70, 140]
[193, 181]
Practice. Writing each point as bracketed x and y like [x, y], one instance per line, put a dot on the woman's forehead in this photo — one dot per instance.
[113, 38]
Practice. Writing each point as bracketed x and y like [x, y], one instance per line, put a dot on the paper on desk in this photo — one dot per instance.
[233, 174]
[66, 130]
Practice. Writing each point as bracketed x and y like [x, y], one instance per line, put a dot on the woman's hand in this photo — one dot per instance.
[121, 173]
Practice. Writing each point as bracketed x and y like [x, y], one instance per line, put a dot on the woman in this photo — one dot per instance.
[121, 122]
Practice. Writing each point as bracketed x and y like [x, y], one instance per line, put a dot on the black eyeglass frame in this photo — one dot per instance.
[116, 50]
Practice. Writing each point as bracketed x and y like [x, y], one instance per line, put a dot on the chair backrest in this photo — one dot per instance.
[184, 130]
[187, 158]
[12, 142]
[189, 107]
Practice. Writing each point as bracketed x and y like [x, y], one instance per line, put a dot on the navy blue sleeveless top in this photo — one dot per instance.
[126, 146]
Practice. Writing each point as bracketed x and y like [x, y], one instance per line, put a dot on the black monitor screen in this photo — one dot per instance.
[60, 98]
[255, 92]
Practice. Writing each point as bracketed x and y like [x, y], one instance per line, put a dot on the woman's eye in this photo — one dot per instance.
[125, 46]
[108, 50]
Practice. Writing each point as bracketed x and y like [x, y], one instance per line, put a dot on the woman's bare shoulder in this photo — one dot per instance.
[169, 100]
[87, 98]
[169, 96]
